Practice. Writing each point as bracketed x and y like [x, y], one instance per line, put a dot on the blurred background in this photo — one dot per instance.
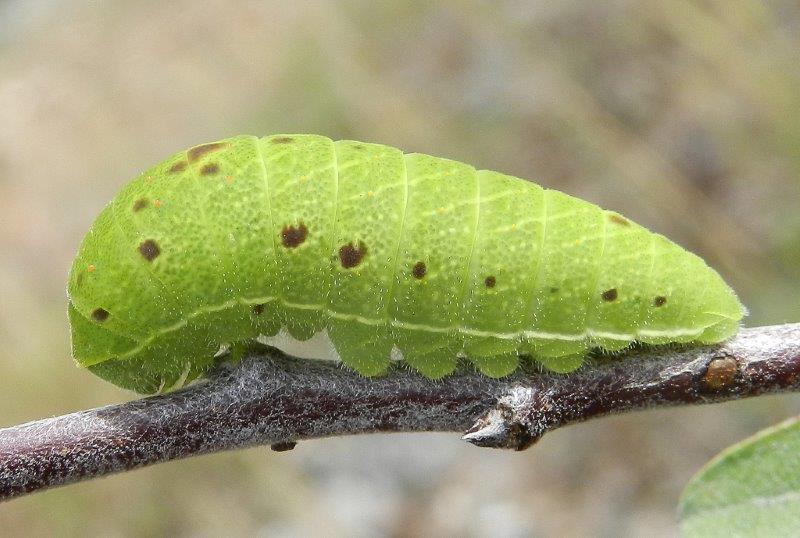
[683, 115]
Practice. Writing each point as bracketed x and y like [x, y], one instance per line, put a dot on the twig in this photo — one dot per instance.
[273, 399]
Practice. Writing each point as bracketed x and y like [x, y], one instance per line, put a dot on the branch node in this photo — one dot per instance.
[505, 425]
[720, 374]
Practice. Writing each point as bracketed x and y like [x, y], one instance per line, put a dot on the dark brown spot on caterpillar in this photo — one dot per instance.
[720, 373]
[351, 256]
[419, 270]
[177, 167]
[490, 281]
[208, 169]
[617, 219]
[553, 289]
[100, 315]
[660, 301]
[610, 295]
[258, 309]
[140, 204]
[292, 236]
[197, 152]
[149, 250]
[282, 140]
[283, 446]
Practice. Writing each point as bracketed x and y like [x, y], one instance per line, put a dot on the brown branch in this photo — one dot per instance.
[273, 399]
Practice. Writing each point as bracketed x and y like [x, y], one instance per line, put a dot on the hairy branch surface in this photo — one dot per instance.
[272, 399]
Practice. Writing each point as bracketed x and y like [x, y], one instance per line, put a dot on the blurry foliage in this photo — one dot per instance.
[750, 489]
[684, 115]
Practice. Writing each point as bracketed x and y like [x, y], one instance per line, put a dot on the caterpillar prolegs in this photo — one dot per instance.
[243, 237]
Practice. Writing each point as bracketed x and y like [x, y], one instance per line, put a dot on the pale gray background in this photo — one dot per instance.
[684, 115]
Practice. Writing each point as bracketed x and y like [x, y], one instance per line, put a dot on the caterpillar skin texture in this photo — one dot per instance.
[236, 239]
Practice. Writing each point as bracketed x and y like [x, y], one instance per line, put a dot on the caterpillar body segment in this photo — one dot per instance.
[236, 239]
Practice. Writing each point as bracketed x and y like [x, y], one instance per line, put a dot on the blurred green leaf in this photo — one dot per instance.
[750, 489]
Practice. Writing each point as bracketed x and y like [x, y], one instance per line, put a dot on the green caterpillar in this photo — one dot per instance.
[236, 239]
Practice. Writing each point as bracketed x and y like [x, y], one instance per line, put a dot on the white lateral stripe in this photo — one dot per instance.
[587, 335]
